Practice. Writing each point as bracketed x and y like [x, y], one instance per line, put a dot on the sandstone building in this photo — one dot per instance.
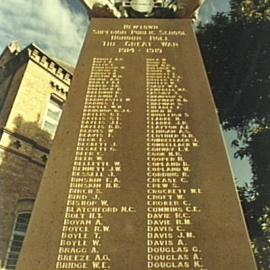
[33, 89]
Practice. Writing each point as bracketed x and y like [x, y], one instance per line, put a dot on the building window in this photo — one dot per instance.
[53, 115]
[17, 240]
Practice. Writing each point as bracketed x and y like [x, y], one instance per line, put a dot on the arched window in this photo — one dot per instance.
[17, 240]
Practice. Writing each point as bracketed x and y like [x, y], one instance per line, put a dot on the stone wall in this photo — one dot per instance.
[26, 86]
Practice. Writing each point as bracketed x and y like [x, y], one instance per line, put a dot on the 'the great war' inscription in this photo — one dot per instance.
[138, 178]
[136, 38]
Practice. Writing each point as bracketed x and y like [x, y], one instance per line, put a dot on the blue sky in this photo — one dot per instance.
[241, 168]
[59, 26]
[54, 25]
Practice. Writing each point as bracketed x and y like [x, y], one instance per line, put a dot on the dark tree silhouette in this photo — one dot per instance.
[236, 50]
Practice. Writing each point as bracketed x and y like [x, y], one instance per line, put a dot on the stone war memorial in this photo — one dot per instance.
[138, 177]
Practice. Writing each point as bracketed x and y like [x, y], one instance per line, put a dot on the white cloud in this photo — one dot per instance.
[55, 28]
[48, 23]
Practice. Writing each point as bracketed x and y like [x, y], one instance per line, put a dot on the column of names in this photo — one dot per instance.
[171, 243]
[96, 171]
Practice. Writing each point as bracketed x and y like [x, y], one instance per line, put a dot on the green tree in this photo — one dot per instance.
[236, 50]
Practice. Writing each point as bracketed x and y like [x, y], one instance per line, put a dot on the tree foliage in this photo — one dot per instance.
[236, 50]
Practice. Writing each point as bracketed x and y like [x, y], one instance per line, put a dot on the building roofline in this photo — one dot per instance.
[66, 66]
[59, 69]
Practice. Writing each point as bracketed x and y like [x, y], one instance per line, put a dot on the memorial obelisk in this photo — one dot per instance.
[138, 177]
